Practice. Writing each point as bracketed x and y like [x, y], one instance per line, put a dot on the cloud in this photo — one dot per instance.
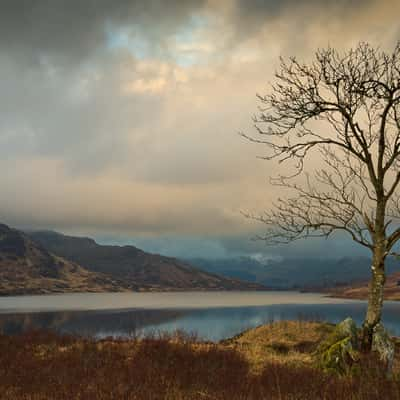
[122, 117]
[75, 30]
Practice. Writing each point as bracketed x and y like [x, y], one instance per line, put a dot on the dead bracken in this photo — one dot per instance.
[273, 361]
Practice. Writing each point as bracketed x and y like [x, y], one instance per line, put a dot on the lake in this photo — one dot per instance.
[210, 315]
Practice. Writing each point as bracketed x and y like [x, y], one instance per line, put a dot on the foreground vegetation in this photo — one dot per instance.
[274, 361]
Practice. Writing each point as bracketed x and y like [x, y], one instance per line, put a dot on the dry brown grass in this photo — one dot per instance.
[272, 362]
[281, 342]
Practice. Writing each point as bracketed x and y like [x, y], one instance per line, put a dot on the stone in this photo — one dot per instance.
[344, 329]
[383, 345]
[339, 357]
[348, 328]
[339, 351]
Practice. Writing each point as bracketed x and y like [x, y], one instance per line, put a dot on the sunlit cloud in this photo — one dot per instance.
[123, 117]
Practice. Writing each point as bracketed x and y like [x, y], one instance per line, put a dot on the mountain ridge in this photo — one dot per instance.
[28, 268]
[147, 271]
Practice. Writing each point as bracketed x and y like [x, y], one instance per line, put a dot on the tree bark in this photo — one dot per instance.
[375, 298]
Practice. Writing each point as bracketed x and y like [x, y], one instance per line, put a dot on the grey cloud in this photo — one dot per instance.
[51, 50]
[74, 31]
[77, 28]
[272, 8]
[251, 16]
[108, 139]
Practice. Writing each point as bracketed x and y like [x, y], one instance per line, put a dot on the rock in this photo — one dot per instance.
[384, 346]
[339, 351]
[345, 329]
[339, 357]
[348, 328]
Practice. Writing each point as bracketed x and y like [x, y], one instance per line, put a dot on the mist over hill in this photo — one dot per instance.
[294, 273]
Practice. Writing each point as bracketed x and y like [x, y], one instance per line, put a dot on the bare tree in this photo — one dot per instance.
[344, 108]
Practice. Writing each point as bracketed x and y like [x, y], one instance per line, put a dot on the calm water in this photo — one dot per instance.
[211, 315]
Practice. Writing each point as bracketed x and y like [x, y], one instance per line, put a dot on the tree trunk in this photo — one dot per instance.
[375, 298]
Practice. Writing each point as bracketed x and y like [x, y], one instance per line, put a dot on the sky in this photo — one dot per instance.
[120, 120]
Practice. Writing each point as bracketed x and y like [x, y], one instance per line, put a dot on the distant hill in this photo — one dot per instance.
[27, 268]
[299, 273]
[134, 267]
[361, 290]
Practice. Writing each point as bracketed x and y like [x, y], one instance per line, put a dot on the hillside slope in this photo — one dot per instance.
[361, 290]
[136, 267]
[27, 268]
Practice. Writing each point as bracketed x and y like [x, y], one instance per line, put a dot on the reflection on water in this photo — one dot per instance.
[211, 323]
[87, 323]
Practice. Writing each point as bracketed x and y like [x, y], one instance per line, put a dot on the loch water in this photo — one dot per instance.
[208, 315]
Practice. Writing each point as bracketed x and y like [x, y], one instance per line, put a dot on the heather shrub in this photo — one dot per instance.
[45, 366]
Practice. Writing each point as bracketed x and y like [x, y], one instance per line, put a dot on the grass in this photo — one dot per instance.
[284, 342]
[270, 362]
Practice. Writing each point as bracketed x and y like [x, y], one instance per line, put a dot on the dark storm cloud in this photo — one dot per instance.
[76, 28]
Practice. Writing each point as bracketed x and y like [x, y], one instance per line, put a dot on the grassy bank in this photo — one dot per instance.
[270, 362]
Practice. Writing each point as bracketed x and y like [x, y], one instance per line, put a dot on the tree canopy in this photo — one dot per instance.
[345, 107]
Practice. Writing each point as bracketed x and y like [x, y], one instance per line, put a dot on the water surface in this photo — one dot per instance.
[157, 300]
[210, 315]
